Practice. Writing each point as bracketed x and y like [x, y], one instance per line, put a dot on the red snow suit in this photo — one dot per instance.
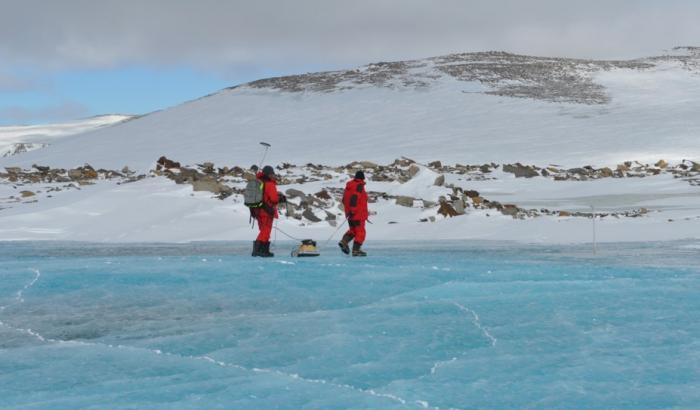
[355, 203]
[266, 214]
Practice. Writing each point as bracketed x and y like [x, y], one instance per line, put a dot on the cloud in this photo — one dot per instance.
[64, 111]
[223, 34]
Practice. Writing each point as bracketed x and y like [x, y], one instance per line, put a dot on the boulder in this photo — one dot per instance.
[485, 169]
[323, 194]
[520, 170]
[458, 206]
[435, 164]
[471, 193]
[403, 162]
[167, 163]
[606, 172]
[294, 193]
[661, 164]
[447, 210]
[309, 215]
[578, 171]
[696, 167]
[75, 174]
[13, 170]
[406, 201]
[207, 167]
[510, 210]
[564, 213]
[26, 194]
[477, 200]
[41, 169]
[439, 181]
[210, 185]
[89, 173]
[413, 170]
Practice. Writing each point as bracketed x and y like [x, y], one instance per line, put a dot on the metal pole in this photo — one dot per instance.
[594, 236]
[267, 146]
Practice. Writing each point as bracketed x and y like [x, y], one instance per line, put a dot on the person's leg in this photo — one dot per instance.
[266, 222]
[360, 234]
[345, 242]
[256, 248]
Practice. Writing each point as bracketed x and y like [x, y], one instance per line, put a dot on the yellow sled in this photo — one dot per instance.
[306, 249]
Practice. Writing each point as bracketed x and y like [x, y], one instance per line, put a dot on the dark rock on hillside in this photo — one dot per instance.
[520, 170]
[165, 163]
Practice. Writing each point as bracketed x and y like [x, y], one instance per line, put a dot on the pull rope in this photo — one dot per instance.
[334, 232]
[277, 229]
[286, 234]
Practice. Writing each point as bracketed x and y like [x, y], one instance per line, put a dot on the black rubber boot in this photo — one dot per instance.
[265, 250]
[345, 244]
[356, 251]
[256, 248]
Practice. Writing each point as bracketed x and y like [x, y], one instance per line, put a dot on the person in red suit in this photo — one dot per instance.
[355, 204]
[267, 213]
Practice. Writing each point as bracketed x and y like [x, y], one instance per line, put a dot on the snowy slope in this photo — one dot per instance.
[603, 114]
[22, 138]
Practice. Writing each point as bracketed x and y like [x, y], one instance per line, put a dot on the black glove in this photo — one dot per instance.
[282, 198]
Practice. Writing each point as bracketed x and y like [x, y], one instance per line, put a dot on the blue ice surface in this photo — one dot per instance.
[448, 325]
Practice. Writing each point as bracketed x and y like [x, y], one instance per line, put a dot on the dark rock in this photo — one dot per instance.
[323, 194]
[447, 210]
[520, 170]
[207, 167]
[439, 181]
[606, 172]
[406, 201]
[471, 193]
[167, 163]
[510, 210]
[294, 193]
[309, 215]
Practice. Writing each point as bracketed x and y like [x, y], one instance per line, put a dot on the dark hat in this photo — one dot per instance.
[268, 171]
[359, 175]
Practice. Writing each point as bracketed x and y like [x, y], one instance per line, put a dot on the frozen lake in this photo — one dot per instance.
[440, 325]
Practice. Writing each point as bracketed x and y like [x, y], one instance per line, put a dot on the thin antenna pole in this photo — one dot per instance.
[267, 146]
[595, 246]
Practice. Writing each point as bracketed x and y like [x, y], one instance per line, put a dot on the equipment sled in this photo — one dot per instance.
[306, 249]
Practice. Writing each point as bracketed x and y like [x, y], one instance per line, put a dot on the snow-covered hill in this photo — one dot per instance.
[470, 109]
[19, 139]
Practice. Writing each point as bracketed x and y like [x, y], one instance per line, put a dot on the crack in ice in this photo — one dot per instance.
[477, 322]
[371, 392]
[18, 295]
